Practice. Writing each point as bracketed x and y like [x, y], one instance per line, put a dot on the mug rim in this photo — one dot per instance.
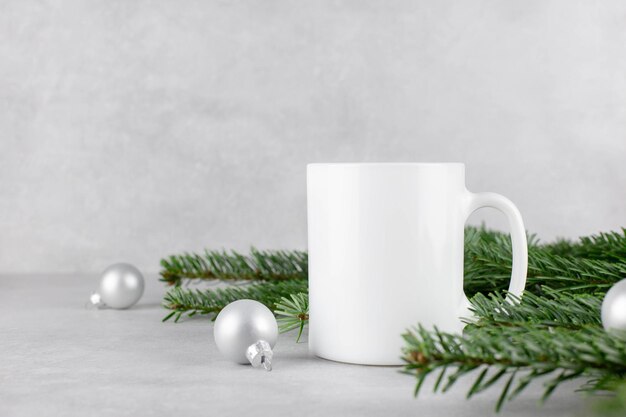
[312, 164]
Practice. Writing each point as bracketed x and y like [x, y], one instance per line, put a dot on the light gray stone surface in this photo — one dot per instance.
[131, 129]
[58, 359]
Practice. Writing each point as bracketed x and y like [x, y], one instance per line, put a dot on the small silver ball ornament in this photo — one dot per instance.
[245, 331]
[614, 308]
[121, 286]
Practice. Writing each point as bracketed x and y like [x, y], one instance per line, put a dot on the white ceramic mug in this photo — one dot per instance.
[386, 253]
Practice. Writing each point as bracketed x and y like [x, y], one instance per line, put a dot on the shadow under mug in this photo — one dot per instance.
[385, 247]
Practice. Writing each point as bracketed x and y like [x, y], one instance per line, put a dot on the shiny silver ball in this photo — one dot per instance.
[241, 324]
[121, 286]
[614, 307]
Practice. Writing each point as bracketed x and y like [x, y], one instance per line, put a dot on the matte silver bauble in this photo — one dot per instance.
[121, 286]
[245, 332]
[614, 307]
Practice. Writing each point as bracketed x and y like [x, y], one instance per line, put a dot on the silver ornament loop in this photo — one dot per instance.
[95, 302]
[260, 354]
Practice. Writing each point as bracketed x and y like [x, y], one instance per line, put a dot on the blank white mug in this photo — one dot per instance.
[386, 253]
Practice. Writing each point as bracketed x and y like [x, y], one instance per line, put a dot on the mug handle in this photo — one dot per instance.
[518, 235]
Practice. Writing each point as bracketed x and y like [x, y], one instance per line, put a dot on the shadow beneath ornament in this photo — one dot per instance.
[147, 306]
[186, 319]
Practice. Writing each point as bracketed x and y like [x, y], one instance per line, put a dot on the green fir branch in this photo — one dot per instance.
[188, 301]
[552, 309]
[521, 354]
[233, 266]
[615, 405]
[555, 335]
[293, 313]
[488, 268]
[607, 246]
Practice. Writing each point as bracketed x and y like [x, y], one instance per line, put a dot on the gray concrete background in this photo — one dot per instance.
[133, 129]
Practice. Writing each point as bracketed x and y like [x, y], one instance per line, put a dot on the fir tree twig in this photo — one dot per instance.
[211, 301]
[223, 265]
[488, 264]
[552, 309]
[292, 313]
[522, 354]
[607, 246]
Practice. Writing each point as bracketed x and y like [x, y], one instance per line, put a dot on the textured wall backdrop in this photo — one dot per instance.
[133, 129]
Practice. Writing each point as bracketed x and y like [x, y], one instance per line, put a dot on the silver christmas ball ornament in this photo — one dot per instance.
[245, 331]
[614, 308]
[121, 286]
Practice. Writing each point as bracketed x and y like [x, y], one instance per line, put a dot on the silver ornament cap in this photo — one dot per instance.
[121, 286]
[614, 308]
[245, 332]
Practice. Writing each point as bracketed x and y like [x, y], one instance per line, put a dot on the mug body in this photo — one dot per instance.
[385, 253]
